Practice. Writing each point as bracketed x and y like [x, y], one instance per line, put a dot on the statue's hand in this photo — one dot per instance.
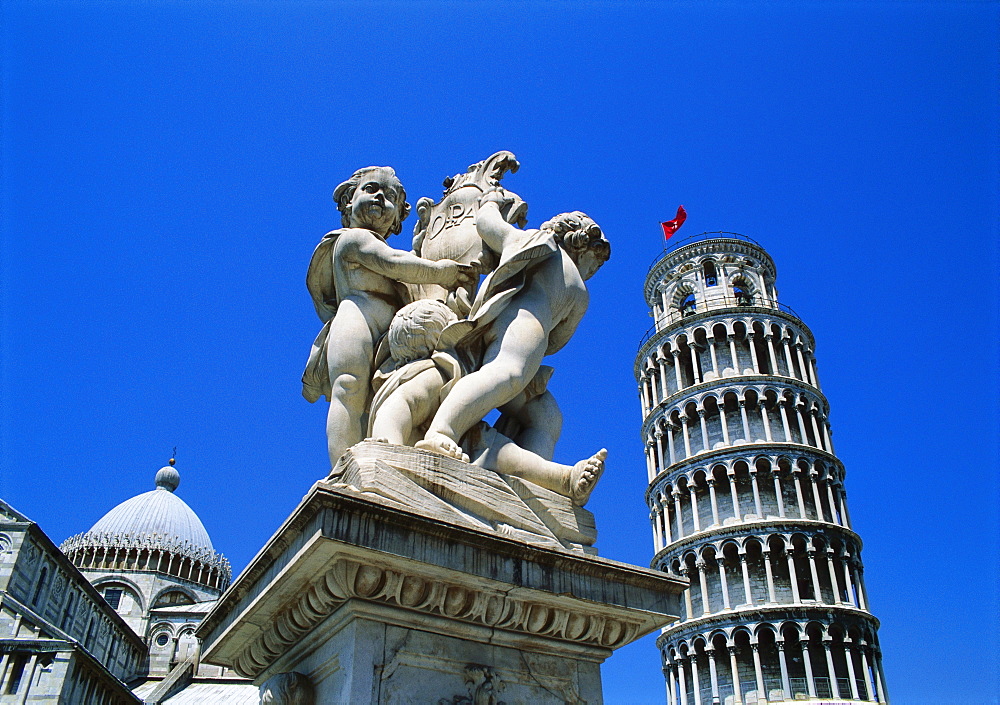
[495, 194]
[455, 274]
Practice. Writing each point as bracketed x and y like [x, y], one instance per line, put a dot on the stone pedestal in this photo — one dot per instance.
[409, 577]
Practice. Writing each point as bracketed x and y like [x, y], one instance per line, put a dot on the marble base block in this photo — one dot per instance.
[380, 601]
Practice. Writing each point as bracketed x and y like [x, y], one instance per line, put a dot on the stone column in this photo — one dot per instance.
[695, 681]
[677, 368]
[653, 395]
[745, 420]
[759, 673]
[713, 674]
[658, 435]
[786, 683]
[778, 495]
[644, 394]
[704, 430]
[825, 427]
[765, 421]
[695, 519]
[834, 686]
[757, 505]
[788, 358]
[832, 569]
[859, 570]
[685, 430]
[852, 595]
[670, 442]
[714, 501]
[655, 517]
[793, 576]
[815, 428]
[695, 371]
[672, 684]
[814, 481]
[677, 510]
[24, 687]
[745, 569]
[649, 460]
[734, 668]
[807, 661]
[770, 353]
[732, 353]
[683, 680]
[722, 580]
[661, 364]
[883, 695]
[771, 597]
[784, 420]
[724, 424]
[796, 476]
[734, 494]
[688, 603]
[702, 567]
[814, 572]
[666, 519]
[852, 676]
[715, 360]
[869, 684]
[802, 363]
[831, 502]
[802, 425]
[753, 352]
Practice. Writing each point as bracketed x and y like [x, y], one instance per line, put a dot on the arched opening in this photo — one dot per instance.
[708, 269]
[173, 597]
[742, 293]
[688, 306]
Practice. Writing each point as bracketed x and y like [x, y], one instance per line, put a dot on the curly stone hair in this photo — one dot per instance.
[344, 194]
[577, 232]
[416, 328]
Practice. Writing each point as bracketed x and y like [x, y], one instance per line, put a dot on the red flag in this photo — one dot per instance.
[672, 226]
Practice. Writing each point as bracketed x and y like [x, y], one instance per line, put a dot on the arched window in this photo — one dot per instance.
[688, 305]
[173, 597]
[67, 618]
[709, 270]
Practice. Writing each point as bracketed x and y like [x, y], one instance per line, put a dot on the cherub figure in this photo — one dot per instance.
[353, 279]
[419, 374]
[527, 308]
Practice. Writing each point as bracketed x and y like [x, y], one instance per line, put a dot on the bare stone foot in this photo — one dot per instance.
[442, 445]
[584, 476]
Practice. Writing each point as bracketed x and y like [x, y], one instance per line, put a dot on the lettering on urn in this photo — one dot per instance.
[287, 689]
[483, 684]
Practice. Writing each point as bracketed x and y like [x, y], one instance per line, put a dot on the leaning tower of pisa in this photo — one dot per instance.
[746, 495]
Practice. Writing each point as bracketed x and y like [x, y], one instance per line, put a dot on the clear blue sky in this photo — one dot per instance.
[167, 171]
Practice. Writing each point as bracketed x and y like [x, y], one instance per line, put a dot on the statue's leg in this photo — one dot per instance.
[349, 356]
[574, 481]
[409, 406]
[540, 422]
[511, 362]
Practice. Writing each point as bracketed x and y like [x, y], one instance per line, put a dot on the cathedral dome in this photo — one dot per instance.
[154, 531]
[158, 512]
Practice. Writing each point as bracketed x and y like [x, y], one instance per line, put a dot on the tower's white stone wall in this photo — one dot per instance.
[746, 494]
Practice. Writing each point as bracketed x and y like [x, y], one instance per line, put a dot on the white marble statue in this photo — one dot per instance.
[353, 278]
[527, 308]
[419, 374]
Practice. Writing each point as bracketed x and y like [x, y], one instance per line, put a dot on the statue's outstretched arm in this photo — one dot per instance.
[374, 254]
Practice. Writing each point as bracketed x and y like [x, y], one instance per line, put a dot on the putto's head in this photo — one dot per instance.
[372, 198]
[582, 239]
[416, 329]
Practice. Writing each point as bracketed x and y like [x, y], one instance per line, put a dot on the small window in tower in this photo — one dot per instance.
[113, 596]
[710, 277]
[688, 305]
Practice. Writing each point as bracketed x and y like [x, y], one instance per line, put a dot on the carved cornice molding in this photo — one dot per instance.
[350, 578]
